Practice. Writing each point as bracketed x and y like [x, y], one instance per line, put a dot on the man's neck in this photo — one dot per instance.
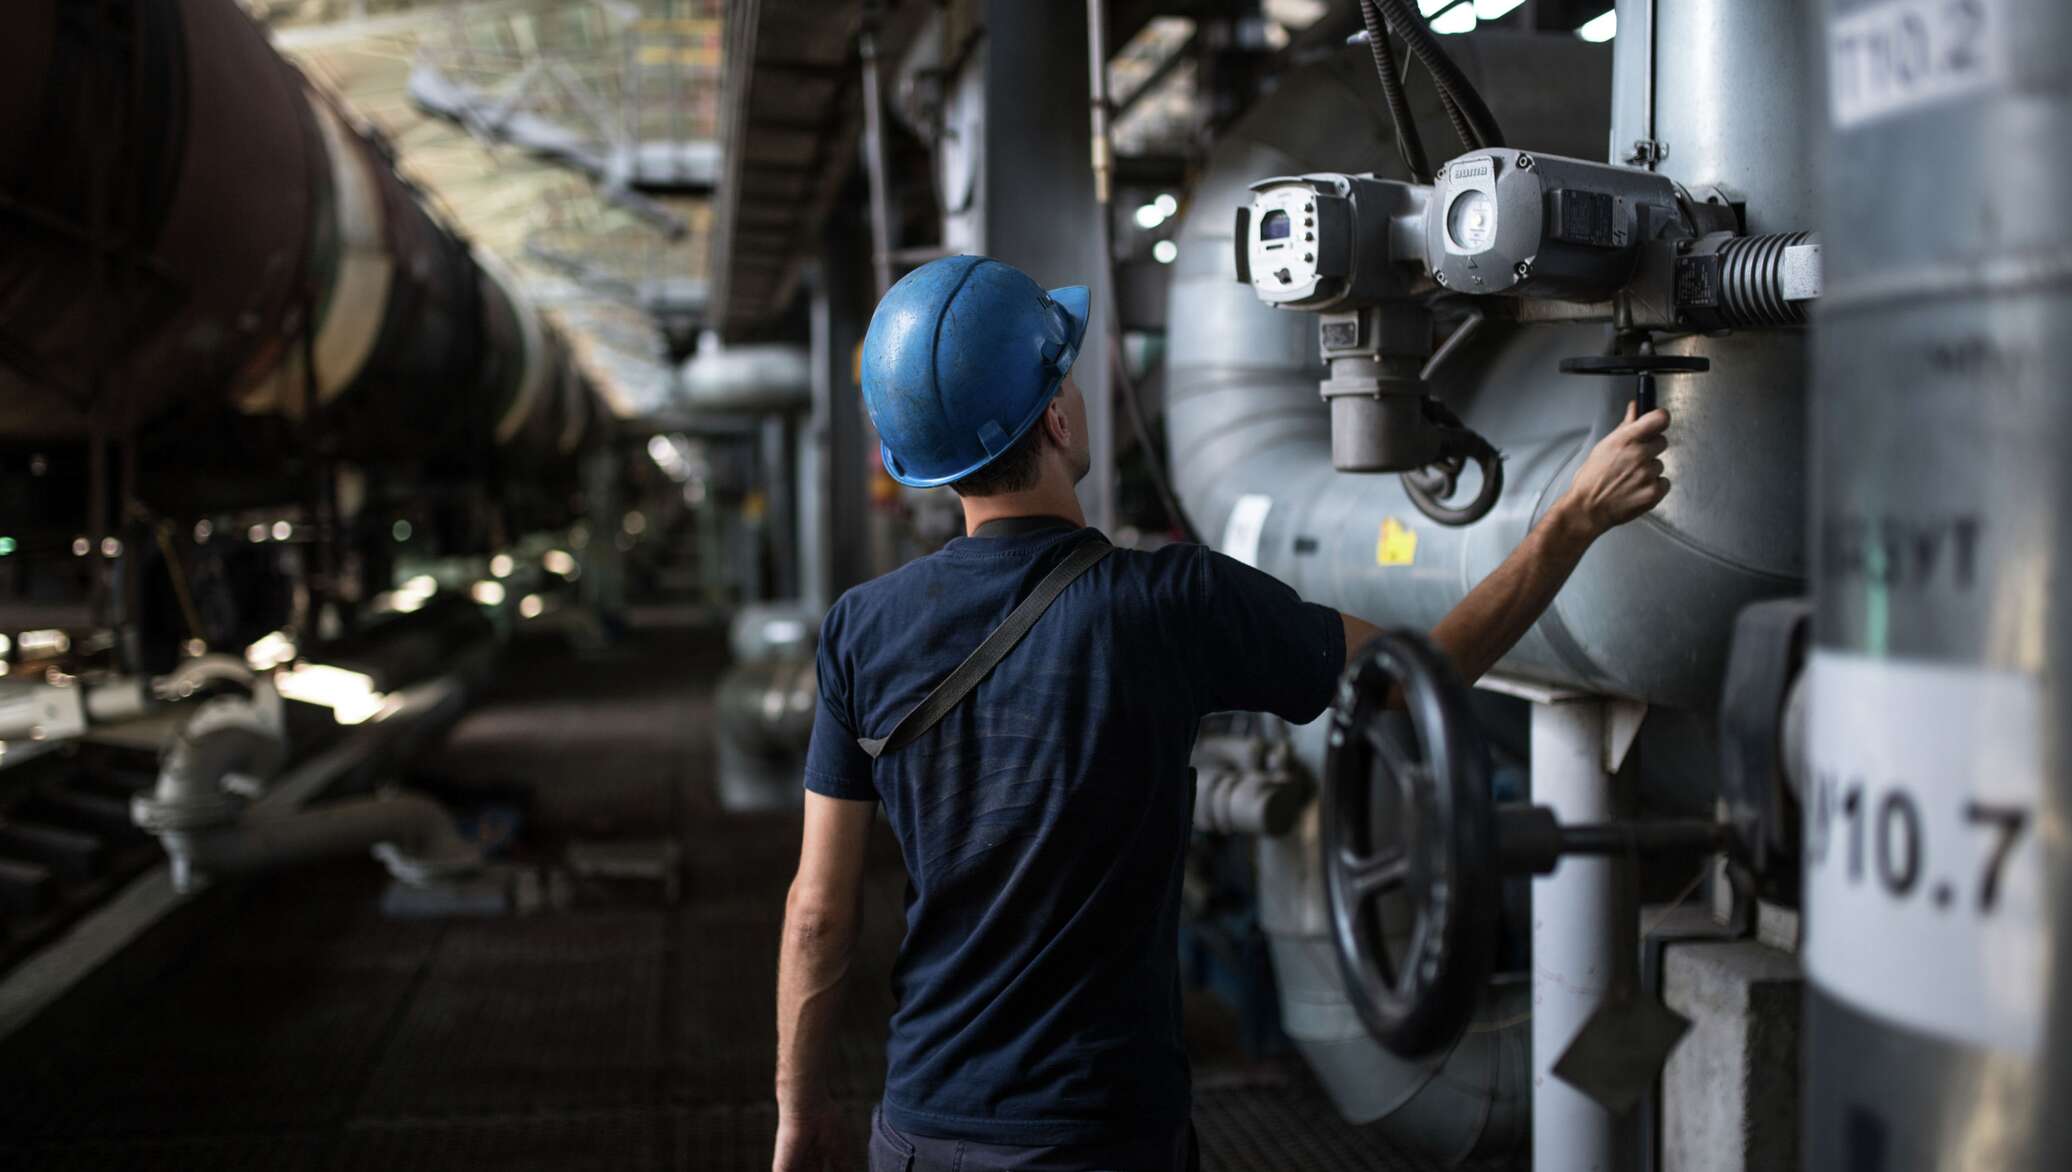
[1051, 498]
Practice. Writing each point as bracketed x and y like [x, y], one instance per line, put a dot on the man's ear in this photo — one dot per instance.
[1058, 424]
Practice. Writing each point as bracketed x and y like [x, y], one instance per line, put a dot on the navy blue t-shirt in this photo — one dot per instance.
[1045, 819]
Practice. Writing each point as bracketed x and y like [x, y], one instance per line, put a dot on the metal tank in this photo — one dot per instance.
[1939, 1026]
[186, 223]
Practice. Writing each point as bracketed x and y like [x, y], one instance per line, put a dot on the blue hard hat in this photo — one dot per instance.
[963, 355]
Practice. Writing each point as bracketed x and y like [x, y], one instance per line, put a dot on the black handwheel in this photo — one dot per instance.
[1641, 367]
[1410, 867]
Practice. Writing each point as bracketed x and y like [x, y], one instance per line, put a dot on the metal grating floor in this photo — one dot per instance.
[297, 1028]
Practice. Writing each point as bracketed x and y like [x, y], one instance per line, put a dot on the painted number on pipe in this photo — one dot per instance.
[1903, 54]
[1925, 898]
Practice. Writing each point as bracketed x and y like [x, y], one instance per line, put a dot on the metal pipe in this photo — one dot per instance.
[267, 254]
[1580, 921]
[1468, 1102]
[874, 161]
[411, 835]
[1097, 90]
[1644, 838]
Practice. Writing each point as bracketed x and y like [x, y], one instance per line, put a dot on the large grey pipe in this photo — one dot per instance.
[1647, 615]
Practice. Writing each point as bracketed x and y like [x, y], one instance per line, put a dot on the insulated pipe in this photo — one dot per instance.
[185, 219]
[752, 378]
[1468, 1102]
[413, 837]
[1650, 612]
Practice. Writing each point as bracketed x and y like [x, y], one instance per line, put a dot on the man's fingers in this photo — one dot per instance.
[1655, 469]
[1652, 446]
[1653, 423]
[1631, 406]
[1661, 490]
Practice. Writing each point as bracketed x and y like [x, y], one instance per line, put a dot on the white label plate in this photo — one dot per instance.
[1247, 522]
[1925, 900]
[1905, 54]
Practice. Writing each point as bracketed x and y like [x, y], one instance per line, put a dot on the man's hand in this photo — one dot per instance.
[1619, 480]
[810, 1139]
[1622, 477]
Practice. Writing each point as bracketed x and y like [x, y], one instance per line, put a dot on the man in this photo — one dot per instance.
[1044, 818]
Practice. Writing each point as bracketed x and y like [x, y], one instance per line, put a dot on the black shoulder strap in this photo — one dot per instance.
[959, 683]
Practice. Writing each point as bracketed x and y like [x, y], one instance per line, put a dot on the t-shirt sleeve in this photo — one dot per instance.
[1263, 649]
[836, 766]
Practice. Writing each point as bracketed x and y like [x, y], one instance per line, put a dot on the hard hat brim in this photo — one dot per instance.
[1076, 301]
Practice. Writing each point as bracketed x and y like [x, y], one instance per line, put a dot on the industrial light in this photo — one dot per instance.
[81, 547]
[1166, 204]
[195, 648]
[559, 561]
[6, 546]
[282, 530]
[1458, 19]
[501, 566]
[111, 547]
[1495, 9]
[1149, 217]
[6, 645]
[35, 644]
[1164, 252]
[487, 593]
[257, 533]
[350, 695]
[203, 531]
[271, 650]
[410, 597]
[1601, 28]
[635, 523]
[400, 531]
[531, 605]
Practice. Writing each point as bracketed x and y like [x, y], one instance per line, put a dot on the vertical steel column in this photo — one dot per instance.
[780, 529]
[1038, 194]
[1580, 922]
[874, 159]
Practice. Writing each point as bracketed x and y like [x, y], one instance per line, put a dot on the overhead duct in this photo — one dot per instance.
[746, 378]
[187, 223]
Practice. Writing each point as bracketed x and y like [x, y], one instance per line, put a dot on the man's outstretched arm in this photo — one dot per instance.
[1621, 480]
[820, 922]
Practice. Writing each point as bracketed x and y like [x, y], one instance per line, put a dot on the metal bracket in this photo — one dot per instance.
[1647, 152]
[1621, 729]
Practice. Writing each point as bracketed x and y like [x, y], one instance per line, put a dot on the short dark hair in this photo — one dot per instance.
[1015, 470]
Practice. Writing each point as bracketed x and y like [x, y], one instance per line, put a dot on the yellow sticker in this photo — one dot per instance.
[1398, 544]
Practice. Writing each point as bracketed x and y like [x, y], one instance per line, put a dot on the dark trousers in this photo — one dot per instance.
[896, 1151]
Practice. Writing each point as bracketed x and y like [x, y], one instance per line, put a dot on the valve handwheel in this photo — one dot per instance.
[1415, 846]
[1409, 858]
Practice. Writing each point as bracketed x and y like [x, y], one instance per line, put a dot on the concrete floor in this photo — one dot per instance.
[289, 1024]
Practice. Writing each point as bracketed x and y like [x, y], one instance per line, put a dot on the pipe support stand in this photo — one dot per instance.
[1583, 930]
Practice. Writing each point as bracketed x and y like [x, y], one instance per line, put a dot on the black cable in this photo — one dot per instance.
[1408, 142]
[1482, 129]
